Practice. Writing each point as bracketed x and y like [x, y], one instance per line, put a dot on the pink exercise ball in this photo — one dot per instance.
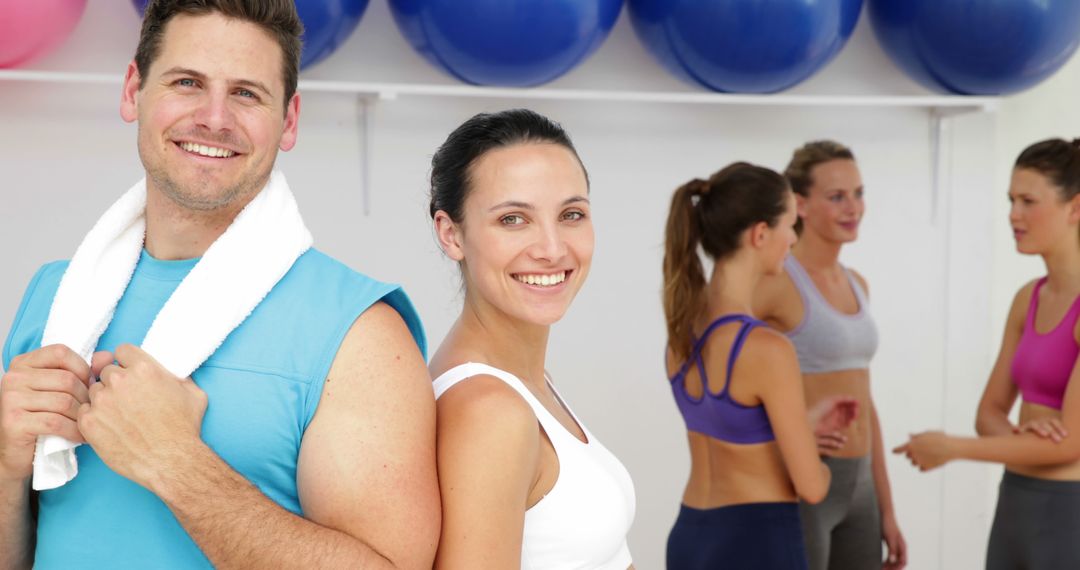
[30, 28]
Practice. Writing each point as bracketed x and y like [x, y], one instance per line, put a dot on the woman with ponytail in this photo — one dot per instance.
[1038, 512]
[823, 308]
[736, 381]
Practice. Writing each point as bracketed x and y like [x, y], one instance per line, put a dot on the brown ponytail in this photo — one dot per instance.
[684, 276]
[711, 214]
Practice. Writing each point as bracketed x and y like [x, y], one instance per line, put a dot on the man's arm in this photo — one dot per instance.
[16, 525]
[366, 473]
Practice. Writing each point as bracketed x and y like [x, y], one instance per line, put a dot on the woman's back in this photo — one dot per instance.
[735, 381]
[735, 458]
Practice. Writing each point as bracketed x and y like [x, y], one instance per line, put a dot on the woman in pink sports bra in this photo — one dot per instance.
[1037, 522]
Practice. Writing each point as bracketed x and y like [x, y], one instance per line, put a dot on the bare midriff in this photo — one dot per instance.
[724, 474]
[1062, 472]
[854, 383]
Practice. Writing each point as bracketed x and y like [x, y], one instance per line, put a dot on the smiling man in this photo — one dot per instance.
[193, 340]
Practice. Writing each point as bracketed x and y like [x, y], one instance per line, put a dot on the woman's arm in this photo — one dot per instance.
[932, 449]
[1000, 393]
[488, 446]
[890, 530]
[770, 359]
[877, 445]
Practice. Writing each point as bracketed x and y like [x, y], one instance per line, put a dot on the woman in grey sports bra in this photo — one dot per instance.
[823, 308]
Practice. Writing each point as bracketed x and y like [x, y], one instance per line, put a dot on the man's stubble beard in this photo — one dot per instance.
[192, 199]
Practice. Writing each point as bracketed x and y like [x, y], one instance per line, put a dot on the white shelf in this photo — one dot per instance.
[940, 108]
[941, 104]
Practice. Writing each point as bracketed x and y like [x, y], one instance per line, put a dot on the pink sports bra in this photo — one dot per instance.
[1043, 363]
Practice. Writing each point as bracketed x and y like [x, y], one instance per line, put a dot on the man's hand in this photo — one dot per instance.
[39, 395]
[140, 418]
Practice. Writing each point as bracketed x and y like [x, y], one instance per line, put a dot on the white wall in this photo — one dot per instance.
[65, 155]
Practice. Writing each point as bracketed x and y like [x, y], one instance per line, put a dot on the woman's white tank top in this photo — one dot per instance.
[582, 522]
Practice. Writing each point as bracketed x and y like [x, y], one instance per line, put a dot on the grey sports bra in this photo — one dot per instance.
[828, 340]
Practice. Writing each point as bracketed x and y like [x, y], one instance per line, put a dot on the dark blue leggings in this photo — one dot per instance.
[758, 536]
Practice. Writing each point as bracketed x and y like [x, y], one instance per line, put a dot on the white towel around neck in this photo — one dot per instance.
[227, 283]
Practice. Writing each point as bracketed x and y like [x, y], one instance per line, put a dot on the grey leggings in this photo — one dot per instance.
[1036, 526]
[843, 532]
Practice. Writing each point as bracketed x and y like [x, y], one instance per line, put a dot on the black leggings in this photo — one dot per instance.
[758, 536]
[1036, 526]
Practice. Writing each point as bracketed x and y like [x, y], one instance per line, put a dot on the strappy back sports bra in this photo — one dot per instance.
[719, 415]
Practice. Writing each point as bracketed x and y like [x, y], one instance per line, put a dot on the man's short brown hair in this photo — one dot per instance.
[277, 17]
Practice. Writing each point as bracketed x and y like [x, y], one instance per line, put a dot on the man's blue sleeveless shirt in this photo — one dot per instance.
[263, 384]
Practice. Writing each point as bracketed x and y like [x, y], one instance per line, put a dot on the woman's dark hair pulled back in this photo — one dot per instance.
[1056, 159]
[451, 165]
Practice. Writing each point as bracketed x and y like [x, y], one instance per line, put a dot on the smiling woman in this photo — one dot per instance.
[523, 481]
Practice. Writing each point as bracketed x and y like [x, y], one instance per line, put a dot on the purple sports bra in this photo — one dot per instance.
[1043, 363]
[719, 415]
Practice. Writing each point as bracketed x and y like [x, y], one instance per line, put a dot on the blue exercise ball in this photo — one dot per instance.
[741, 46]
[511, 43]
[327, 24]
[978, 47]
